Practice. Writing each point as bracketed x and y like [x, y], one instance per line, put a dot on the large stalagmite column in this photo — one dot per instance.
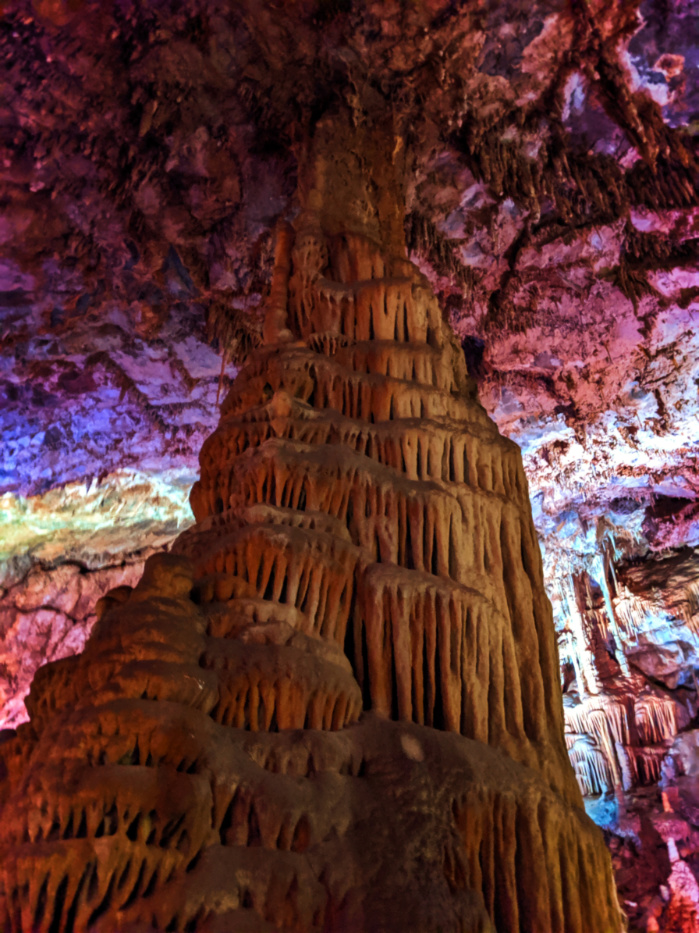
[336, 705]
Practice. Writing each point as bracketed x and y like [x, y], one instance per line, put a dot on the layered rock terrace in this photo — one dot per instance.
[335, 705]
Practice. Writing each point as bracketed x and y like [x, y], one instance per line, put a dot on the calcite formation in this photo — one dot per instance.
[630, 696]
[335, 705]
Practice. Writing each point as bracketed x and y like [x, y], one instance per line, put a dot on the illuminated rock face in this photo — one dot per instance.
[630, 696]
[336, 705]
[561, 237]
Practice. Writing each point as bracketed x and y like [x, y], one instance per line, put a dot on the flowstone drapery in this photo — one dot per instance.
[335, 706]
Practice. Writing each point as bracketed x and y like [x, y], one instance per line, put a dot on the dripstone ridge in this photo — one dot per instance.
[335, 705]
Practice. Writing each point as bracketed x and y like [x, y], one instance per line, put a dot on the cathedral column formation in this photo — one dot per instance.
[336, 705]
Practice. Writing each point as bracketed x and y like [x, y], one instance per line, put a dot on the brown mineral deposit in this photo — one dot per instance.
[335, 706]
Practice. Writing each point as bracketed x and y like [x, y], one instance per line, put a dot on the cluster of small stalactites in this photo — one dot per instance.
[620, 742]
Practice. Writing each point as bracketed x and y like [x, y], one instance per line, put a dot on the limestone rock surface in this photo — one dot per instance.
[335, 705]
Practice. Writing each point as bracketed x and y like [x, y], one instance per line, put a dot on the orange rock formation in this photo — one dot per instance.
[335, 707]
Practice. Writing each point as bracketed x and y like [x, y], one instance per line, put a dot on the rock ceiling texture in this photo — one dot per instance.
[149, 150]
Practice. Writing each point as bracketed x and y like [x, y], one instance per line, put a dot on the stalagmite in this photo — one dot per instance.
[335, 705]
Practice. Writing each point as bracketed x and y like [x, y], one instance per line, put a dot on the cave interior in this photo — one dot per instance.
[549, 161]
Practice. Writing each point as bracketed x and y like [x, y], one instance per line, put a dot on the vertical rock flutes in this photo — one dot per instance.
[336, 705]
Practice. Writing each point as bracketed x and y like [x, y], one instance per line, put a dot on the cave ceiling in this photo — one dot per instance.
[147, 152]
